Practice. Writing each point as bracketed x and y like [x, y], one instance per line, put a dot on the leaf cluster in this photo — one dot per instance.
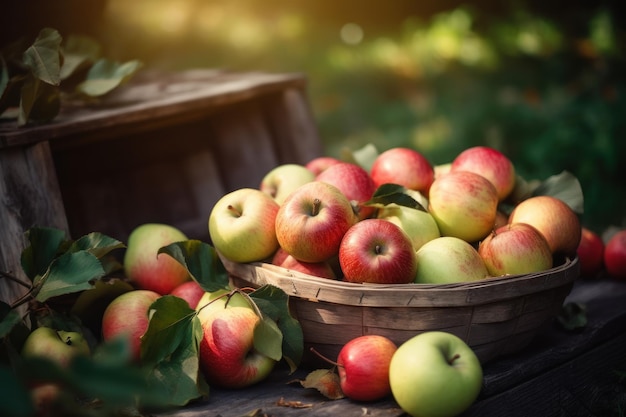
[110, 382]
[34, 77]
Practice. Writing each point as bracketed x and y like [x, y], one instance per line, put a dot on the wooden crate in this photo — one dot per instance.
[162, 149]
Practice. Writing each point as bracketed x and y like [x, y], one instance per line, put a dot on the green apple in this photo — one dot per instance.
[57, 345]
[447, 260]
[241, 225]
[282, 180]
[435, 374]
[419, 225]
[145, 267]
[213, 301]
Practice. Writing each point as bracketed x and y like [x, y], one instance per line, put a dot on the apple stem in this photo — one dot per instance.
[234, 210]
[452, 359]
[323, 357]
[377, 249]
[317, 203]
[15, 279]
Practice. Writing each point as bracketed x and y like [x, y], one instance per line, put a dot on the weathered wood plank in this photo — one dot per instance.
[29, 196]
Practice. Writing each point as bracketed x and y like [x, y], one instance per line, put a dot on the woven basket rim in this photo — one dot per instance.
[492, 289]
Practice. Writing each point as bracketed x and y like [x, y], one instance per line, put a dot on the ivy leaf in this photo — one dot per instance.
[78, 53]
[564, 186]
[273, 303]
[104, 76]
[43, 57]
[40, 102]
[69, 273]
[43, 248]
[201, 261]
[171, 347]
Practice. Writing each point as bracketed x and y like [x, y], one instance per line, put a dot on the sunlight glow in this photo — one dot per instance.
[351, 33]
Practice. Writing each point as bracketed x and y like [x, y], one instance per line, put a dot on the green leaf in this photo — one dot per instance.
[78, 52]
[9, 318]
[564, 186]
[43, 57]
[274, 303]
[393, 193]
[104, 76]
[573, 316]
[19, 402]
[96, 243]
[171, 347]
[43, 248]
[69, 273]
[4, 76]
[268, 339]
[39, 102]
[201, 261]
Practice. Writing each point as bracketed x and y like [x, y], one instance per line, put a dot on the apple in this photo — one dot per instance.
[516, 248]
[363, 367]
[227, 355]
[435, 374]
[127, 317]
[377, 251]
[590, 253]
[282, 180]
[419, 225]
[241, 225]
[448, 259]
[189, 291]
[59, 346]
[145, 267]
[320, 163]
[491, 164]
[558, 223]
[319, 269]
[464, 205]
[615, 255]
[403, 166]
[442, 169]
[312, 221]
[354, 182]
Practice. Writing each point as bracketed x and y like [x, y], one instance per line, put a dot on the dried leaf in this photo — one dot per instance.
[326, 382]
[292, 404]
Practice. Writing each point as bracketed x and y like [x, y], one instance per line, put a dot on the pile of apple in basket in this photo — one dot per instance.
[395, 217]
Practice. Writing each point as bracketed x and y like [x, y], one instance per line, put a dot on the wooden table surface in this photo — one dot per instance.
[562, 373]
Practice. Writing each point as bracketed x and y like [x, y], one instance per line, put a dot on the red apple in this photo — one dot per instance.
[319, 164]
[464, 205]
[312, 221]
[491, 164]
[377, 251]
[615, 255]
[403, 166]
[556, 221]
[516, 248]
[189, 291]
[147, 270]
[319, 269]
[363, 367]
[127, 317]
[354, 182]
[227, 355]
[590, 253]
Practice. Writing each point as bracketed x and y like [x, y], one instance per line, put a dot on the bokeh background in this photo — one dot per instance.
[541, 81]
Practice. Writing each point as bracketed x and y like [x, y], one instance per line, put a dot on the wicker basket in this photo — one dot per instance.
[495, 316]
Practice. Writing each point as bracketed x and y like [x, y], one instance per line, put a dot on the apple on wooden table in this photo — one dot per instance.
[435, 374]
[590, 253]
[145, 267]
[363, 367]
[615, 255]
